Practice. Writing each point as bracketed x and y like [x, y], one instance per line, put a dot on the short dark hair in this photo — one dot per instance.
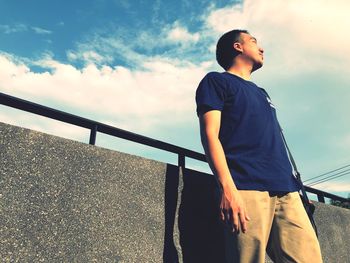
[225, 53]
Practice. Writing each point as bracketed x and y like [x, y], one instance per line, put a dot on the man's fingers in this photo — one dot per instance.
[235, 221]
[225, 216]
[242, 219]
[222, 215]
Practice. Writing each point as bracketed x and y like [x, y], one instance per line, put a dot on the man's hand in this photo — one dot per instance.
[232, 209]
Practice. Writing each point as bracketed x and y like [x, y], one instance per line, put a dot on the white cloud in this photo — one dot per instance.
[72, 55]
[92, 56]
[102, 50]
[125, 47]
[19, 27]
[134, 100]
[7, 29]
[88, 57]
[41, 31]
[180, 34]
[334, 186]
[300, 35]
[343, 141]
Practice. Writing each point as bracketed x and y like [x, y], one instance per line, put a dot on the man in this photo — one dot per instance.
[244, 148]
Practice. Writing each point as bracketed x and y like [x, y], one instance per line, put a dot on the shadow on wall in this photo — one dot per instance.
[202, 235]
[170, 254]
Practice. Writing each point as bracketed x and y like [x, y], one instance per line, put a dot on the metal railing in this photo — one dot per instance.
[95, 127]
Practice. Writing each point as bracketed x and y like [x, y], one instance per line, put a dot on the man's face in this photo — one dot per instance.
[251, 51]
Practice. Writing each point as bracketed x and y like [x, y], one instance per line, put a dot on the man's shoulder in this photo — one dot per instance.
[225, 78]
[214, 78]
[220, 82]
[214, 75]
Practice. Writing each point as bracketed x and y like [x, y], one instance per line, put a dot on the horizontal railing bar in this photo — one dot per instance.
[325, 194]
[149, 141]
[45, 111]
[90, 124]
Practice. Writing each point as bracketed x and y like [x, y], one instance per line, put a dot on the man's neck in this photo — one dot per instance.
[240, 72]
[241, 69]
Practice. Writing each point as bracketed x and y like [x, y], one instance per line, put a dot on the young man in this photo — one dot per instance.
[244, 148]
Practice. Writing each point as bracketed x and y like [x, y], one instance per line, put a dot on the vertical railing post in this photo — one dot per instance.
[93, 135]
[181, 162]
[320, 197]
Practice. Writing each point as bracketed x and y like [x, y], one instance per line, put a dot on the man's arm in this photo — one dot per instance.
[231, 205]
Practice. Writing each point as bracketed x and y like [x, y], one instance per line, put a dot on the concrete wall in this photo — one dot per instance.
[65, 201]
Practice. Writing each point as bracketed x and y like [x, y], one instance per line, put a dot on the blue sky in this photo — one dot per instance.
[136, 65]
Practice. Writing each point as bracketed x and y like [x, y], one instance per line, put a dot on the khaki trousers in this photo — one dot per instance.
[278, 225]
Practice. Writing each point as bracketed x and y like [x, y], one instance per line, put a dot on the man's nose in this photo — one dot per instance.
[261, 49]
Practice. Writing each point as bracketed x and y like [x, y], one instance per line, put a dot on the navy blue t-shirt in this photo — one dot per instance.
[249, 133]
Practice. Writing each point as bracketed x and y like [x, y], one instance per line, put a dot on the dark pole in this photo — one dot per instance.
[181, 161]
[93, 135]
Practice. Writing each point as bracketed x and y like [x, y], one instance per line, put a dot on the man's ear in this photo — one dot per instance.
[237, 46]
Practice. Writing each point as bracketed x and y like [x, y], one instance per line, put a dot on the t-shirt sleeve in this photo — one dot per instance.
[210, 94]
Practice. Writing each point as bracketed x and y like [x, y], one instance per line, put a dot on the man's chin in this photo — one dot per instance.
[257, 65]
